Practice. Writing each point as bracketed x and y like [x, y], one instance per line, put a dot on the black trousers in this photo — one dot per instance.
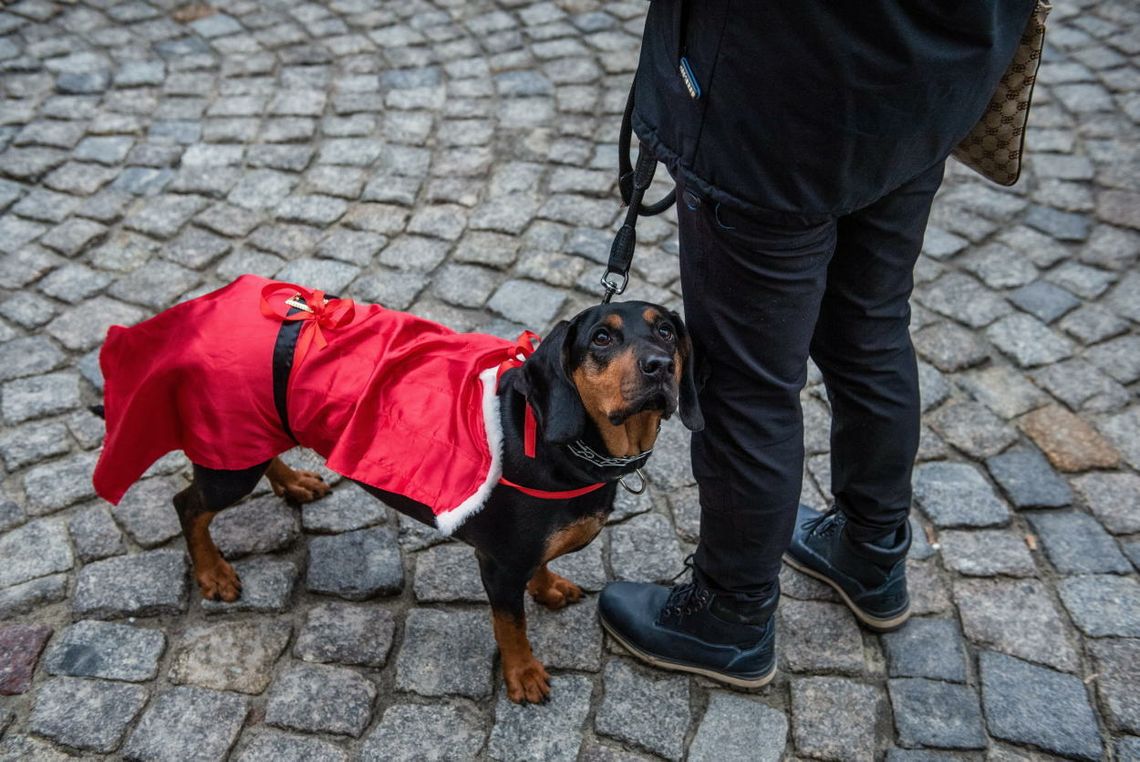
[760, 297]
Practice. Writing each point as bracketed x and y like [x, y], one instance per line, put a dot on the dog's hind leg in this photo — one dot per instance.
[211, 491]
[294, 484]
[526, 678]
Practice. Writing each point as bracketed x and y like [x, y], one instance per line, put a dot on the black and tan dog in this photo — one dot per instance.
[597, 389]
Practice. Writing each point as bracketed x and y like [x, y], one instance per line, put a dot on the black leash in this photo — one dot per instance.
[632, 183]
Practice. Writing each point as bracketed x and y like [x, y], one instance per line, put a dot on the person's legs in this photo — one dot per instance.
[752, 292]
[862, 346]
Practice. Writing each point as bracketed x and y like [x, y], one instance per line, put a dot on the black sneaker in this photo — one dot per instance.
[870, 577]
[691, 629]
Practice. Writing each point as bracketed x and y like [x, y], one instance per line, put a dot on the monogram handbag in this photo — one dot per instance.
[995, 147]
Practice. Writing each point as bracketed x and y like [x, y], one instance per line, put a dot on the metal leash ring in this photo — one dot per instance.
[640, 488]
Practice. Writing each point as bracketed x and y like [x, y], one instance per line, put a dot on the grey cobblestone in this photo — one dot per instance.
[106, 650]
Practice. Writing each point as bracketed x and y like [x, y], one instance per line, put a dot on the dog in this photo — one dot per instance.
[514, 449]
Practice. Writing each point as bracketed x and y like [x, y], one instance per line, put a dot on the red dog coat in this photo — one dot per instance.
[389, 399]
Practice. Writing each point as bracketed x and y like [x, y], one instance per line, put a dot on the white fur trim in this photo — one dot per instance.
[451, 520]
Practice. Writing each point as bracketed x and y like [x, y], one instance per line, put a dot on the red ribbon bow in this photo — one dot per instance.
[312, 307]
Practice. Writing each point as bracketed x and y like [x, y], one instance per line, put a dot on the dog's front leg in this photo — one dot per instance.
[526, 678]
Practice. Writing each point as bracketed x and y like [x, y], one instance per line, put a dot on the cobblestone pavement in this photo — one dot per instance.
[457, 159]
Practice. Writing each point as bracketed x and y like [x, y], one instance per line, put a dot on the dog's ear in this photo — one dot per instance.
[544, 380]
[688, 406]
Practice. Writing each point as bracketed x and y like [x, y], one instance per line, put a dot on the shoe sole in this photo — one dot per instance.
[657, 661]
[878, 624]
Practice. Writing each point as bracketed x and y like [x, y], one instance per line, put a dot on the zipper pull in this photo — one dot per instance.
[690, 79]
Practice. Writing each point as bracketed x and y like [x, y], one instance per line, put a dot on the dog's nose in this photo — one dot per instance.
[656, 365]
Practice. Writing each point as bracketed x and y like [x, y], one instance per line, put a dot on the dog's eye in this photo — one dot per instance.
[665, 331]
[602, 337]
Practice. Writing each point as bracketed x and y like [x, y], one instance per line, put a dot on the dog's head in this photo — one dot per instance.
[624, 367]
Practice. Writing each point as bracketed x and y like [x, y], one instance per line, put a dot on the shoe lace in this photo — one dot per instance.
[686, 598]
[827, 523]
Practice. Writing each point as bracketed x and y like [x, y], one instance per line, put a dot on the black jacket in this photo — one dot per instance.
[816, 108]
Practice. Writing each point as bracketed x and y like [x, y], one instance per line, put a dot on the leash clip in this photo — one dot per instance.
[640, 488]
[612, 286]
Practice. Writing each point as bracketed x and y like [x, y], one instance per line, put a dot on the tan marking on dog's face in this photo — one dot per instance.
[651, 315]
[600, 388]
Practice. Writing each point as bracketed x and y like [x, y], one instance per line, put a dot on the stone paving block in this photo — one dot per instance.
[19, 599]
[266, 586]
[930, 648]
[147, 513]
[1044, 300]
[448, 573]
[737, 727]
[527, 303]
[56, 485]
[670, 467]
[106, 650]
[20, 647]
[972, 429]
[1128, 749]
[817, 636]
[187, 723]
[231, 656]
[315, 698]
[1076, 544]
[445, 733]
[1028, 480]
[823, 725]
[1082, 386]
[1003, 390]
[261, 525]
[462, 640]
[1028, 341]
[355, 565]
[932, 713]
[961, 298]
[346, 633]
[1103, 605]
[647, 709]
[986, 553]
[929, 593]
[1113, 498]
[1036, 706]
[142, 584]
[84, 326]
[1121, 431]
[1118, 674]
[956, 494]
[92, 715]
[268, 745]
[36, 549]
[569, 638]
[11, 515]
[1068, 442]
[346, 508]
[19, 747]
[28, 398]
[1036, 632]
[645, 549]
[550, 731]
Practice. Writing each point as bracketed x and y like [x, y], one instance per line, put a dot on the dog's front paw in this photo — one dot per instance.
[554, 591]
[300, 486]
[527, 681]
[219, 582]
